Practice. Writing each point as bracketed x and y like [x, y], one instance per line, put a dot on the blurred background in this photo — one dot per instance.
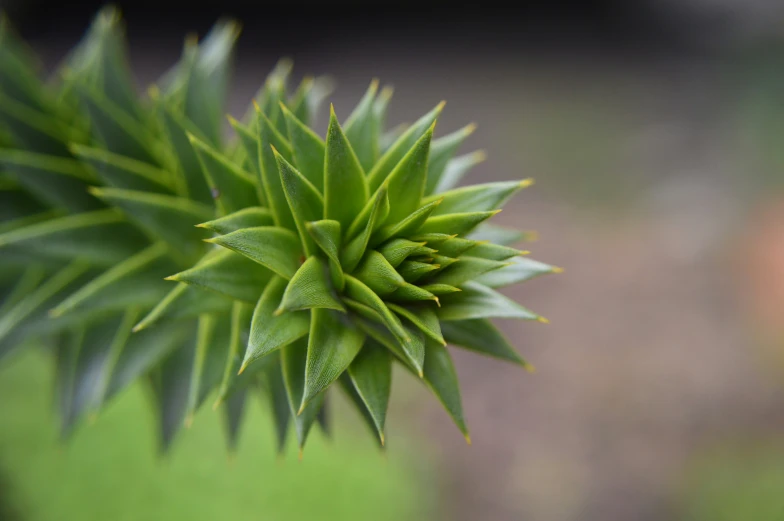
[655, 132]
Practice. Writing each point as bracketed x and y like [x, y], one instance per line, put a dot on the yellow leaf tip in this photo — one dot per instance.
[441, 106]
[301, 408]
[299, 456]
[189, 421]
[523, 252]
[525, 183]
[557, 269]
[469, 129]
[256, 105]
[529, 367]
[171, 277]
[278, 312]
[542, 320]
[468, 438]
[381, 438]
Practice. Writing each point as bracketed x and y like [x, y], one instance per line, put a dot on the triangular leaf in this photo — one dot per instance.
[122, 172]
[518, 269]
[276, 248]
[332, 345]
[232, 188]
[371, 377]
[361, 130]
[456, 169]
[422, 316]
[478, 301]
[378, 274]
[455, 223]
[406, 182]
[310, 288]
[228, 273]
[305, 202]
[326, 234]
[268, 169]
[307, 149]
[476, 198]
[441, 377]
[293, 361]
[345, 186]
[251, 217]
[467, 268]
[441, 152]
[481, 336]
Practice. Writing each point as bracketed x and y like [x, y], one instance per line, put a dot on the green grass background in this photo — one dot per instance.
[109, 470]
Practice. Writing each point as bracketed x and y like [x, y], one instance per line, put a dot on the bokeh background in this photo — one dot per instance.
[655, 132]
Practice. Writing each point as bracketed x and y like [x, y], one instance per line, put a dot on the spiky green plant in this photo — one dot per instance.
[297, 261]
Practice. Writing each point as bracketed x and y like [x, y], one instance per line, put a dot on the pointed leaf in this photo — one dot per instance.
[406, 227]
[212, 348]
[310, 288]
[233, 413]
[396, 250]
[279, 402]
[356, 400]
[178, 128]
[251, 217]
[475, 198]
[440, 289]
[455, 223]
[456, 246]
[395, 153]
[423, 317]
[495, 252]
[332, 345]
[378, 274]
[276, 248]
[228, 273]
[355, 249]
[361, 130]
[269, 331]
[481, 336]
[407, 180]
[326, 234]
[478, 301]
[171, 381]
[441, 152]
[184, 301]
[270, 176]
[518, 269]
[411, 293]
[371, 377]
[468, 268]
[307, 149]
[496, 234]
[412, 271]
[241, 316]
[304, 200]
[293, 361]
[456, 169]
[345, 186]
[441, 378]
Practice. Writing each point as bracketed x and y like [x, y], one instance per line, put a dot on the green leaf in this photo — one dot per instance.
[441, 378]
[56, 181]
[371, 377]
[119, 132]
[171, 383]
[208, 79]
[227, 273]
[423, 316]
[495, 252]
[304, 200]
[406, 227]
[275, 248]
[32, 129]
[412, 293]
[468, 268]
[476, 198]
[478, 301]
[348, 387]
[165, 217]
[270, 176]
[326, 234]
[455, 223]
[496, 234]
[279, 402]
[232, 188]
[518, 269]
[481, 336]
[333, 343]
[108, 280]
[356, 290]
[441, 152]
[407, 180]
[212, 348]
[269, 331]
[361, 130]
[378, 274]
[440, 289]
[396, 250]
[456, 246]
[178, 129]
[241, 317]
[395, 153]
[412, 271]
[123, 172]
[100, 237]
[310, 288]
[184, 301]
[30, 279]
[307, 149]
[355, 249]
[456, 169]
[345, 186]
[293, 361]
[251, 217]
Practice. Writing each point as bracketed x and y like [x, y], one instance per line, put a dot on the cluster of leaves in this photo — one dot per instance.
[298, 261]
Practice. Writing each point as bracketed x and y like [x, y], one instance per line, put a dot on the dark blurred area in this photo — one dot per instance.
[655, 132]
